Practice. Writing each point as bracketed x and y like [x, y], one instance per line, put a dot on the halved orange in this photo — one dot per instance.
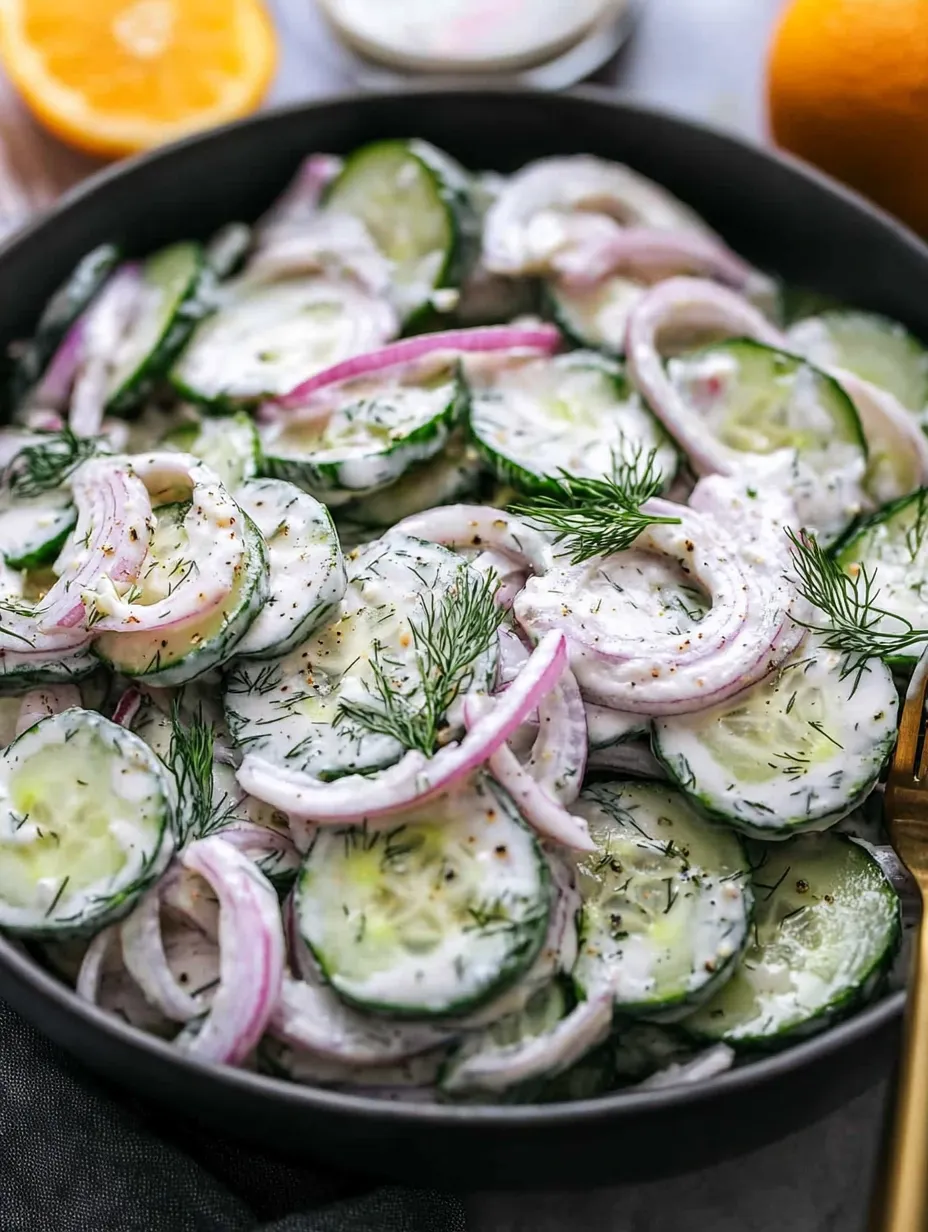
[116, 76]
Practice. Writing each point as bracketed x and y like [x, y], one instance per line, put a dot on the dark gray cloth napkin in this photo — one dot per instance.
[75, 1157]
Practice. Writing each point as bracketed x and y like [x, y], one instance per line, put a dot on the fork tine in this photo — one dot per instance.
[909, 729]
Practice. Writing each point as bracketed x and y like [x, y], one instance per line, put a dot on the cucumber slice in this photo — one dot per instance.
[32, 532]
[228, 444]
[85, 826]
[307, 578]
[798, 751]
[874, 347]
[452, 476]
[415, 202]
[595, 316]
[171, 305]
[377, 430]
[435, 916]
[288, 710]
[756, 400]
[575, 413]
[175, 656]
[30, 359]
[892, 546]
[666, 910]
[21, 667]
[826, 931]
[264, 340]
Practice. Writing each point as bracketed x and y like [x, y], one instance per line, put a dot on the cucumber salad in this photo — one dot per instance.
[452, 636]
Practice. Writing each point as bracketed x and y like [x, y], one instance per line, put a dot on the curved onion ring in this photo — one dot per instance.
[113, 520]
[41, 703]
[334, 245]
[511, 577]
[146, 961]
[251, 948]
[90, 974]
[559, 754]
[496, 1069]
[891, 429]
[415, 778]
[479, 340]
[539, 808]
[655, 253]
[104, 327]
[481, 526]
[746, 580]
[299, 202]
[215, 530]
[127, 707]
[524, 226]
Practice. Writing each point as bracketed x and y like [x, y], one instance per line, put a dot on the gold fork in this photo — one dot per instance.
[900, 1201]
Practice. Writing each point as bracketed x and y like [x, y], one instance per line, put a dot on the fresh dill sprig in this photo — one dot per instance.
[45, 464]
[451, 632]
[190, 759]
[850, 606]
[597, 517]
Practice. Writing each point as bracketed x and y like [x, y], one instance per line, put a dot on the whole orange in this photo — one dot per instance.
[848, 91]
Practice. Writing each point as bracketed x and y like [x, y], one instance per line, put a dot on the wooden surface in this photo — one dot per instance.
[703, 58]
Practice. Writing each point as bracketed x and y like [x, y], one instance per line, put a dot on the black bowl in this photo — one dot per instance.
[779, 214]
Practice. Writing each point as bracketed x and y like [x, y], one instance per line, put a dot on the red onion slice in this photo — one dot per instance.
[299, 203]
[521, 234]
[653, 253]
[497, 1069]
[109, 541]
[510, 576]
[146, 961]
[215, 530]
[334, 245]
[41, 703]
[539, 808]
[252, 953]
[481, 526]
[104, 328]
[893, 434]
[90, 975]
[127, 707]
[559, 754]
[671, 671]
[482, 339]
[415, 778]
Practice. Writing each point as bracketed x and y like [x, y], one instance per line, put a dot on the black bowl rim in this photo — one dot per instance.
[622, 1104]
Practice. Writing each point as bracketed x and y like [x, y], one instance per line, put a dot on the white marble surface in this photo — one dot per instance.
[705, 58]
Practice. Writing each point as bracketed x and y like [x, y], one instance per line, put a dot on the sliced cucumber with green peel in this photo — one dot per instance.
[176, 656]
[172, 301]
[378, 429]
[85, 826]
[227, 443]
[575, 413]
[307, 572]
[287, 710]
[756, 399]
[892, 545]
[435, 916]
[73, 297]
[798, 751]
[415, 201]
[453, 475]
[33, 532]
[595, 316]
[827, 928]
[873, 347]
[666, 908]
[263, 340]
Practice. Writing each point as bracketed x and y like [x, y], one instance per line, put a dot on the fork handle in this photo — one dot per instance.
[900, 1200]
